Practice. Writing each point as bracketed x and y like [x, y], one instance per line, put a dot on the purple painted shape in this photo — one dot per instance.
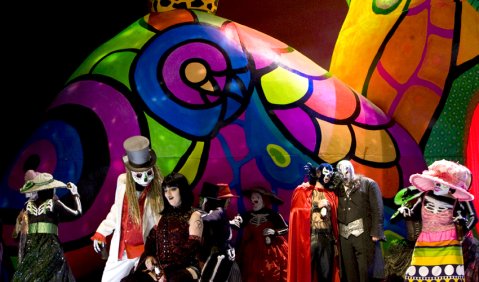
[299, 124]
[120, 122]
[251, 176]
[411, 159]
[235, 138]
[217, 168]
[175, 62]
[370, 114]
[42, 148]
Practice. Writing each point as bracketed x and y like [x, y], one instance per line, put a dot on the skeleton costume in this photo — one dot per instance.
[217, 254]
[263, 247]
[42, 257]
[437, 254]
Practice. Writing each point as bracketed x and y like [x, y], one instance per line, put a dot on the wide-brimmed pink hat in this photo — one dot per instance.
[454, 175]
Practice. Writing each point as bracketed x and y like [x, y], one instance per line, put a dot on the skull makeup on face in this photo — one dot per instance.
[256, 201]
[346, 169]
[143, 178]
[440, 189]
[325, 173]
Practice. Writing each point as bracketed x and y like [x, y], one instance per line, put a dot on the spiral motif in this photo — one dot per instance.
[198, 71]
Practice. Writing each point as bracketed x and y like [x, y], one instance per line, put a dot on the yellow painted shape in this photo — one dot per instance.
[190, 168]
[469, 44]
[282, 87]
[278, 155]
[362, 33]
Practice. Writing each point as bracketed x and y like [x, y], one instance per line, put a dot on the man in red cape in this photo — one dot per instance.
[304, 206]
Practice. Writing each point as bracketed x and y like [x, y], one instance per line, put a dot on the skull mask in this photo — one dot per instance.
[325, 174]
[143, 178]
[346, 169]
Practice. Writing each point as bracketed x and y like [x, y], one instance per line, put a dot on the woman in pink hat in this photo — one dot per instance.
[438, 255]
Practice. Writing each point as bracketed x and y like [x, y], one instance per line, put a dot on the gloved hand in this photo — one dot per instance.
[231, 254]
[73, 189]
[98, 245]
[268, 232]
[405, 211]
[236, 221]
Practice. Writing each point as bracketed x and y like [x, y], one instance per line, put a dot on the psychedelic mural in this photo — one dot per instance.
[221, 102]
[419, 63]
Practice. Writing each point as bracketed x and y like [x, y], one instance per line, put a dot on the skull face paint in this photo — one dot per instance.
[440, 189]
[256, 201]
[143, 178]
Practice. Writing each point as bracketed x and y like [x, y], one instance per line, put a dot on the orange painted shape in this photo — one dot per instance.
[163, 20]
[374, 145]
[403, 52]
[415, 110]
[386, 178]
[437, 60]
[382, 94]
[336, 141]
[442, 13]
[469, 44]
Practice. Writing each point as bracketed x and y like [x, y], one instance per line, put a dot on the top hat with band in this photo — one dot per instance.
[139, 156]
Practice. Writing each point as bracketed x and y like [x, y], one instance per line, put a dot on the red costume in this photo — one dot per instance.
[299, 243]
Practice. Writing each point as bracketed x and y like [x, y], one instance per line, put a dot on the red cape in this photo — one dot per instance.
[299, 238]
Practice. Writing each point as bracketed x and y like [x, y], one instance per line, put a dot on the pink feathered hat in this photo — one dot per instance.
[454, 175]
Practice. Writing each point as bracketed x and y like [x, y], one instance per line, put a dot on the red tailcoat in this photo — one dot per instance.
[299, 236]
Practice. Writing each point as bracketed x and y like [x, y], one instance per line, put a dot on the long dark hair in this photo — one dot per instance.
[176, 179]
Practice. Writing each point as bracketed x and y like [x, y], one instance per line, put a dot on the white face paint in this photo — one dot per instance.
[143, 178]
[31, 195]
[256, 201]
[173, 196]
[346, 169]
[440, 189]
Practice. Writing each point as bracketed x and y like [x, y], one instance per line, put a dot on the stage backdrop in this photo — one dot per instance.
[223, 102]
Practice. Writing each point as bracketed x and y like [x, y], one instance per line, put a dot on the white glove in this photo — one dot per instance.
[323, 203]
[405, 211]
[97, 246]
[268, 231]
[231, 254]
[73, 189]
[236, 221]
